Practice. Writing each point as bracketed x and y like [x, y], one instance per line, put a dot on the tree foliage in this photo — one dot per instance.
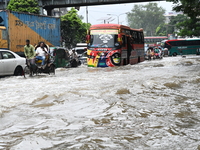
[191, 25]
[73, 30]
[161, 30]
[30, 6]
[172, 27]
[148, 17]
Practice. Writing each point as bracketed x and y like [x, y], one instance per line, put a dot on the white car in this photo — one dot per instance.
[83, 58]
[11, 63]
[80, 48]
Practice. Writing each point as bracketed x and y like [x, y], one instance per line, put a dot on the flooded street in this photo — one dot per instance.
[153, 105]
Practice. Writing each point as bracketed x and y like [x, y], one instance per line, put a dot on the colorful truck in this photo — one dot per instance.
[16, 27]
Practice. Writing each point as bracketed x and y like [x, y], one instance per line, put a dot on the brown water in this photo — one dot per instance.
[154, 105]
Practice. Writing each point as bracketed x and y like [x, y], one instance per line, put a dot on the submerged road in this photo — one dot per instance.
[151, 105]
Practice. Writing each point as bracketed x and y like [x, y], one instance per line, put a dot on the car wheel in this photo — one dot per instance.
[18, 71]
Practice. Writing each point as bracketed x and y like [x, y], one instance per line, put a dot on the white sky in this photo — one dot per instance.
[96, 14]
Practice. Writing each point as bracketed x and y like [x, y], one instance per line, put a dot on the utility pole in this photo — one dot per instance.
[87, 14]
[117, 16]
[5, 4]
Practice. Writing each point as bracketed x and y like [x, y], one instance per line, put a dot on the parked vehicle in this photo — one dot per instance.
[11, 63]
[16, 28]
[81, 48]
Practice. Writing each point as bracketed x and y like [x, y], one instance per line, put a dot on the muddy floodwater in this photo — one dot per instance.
[153, 105]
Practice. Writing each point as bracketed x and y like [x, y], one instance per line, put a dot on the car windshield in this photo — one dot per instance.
[103, 39]
[80, 51]
[84, 54]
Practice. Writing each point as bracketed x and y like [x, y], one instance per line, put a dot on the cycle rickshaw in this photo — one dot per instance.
[37, 68]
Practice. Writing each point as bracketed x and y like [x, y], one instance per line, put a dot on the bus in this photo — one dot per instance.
[153, 41]
[112, 45]
[183, 46]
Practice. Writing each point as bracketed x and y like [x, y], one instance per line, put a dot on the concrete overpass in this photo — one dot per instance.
[49, 5]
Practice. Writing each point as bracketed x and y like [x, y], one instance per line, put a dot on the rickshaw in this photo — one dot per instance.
[37, 68]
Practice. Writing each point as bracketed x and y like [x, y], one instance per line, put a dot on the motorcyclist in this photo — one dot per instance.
[160, 52]
[74, 59]
[148, 53]
[156, 51]
[74, 55]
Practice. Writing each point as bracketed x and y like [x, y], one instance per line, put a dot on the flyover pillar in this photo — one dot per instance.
[49, 11]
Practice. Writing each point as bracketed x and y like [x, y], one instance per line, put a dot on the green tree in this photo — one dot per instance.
[172, 27]
[73, 30]
[30, 6]
[161, 30]
[191, 25]
[148, 17]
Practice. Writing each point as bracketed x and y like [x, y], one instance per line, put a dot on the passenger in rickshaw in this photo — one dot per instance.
[41, 52]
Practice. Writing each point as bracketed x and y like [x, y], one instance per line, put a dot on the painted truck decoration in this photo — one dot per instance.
[112, 45]
[16, 27]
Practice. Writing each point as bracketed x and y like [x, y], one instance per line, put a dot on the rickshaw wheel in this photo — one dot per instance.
[52, 69]
[26, 71]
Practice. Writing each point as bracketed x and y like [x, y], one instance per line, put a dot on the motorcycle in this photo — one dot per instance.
[158, 56]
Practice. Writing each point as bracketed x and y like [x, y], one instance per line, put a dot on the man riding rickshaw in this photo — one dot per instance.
[41, 63]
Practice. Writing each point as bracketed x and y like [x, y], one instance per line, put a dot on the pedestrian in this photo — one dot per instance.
[29, 52]
[149, 53]
[160, 52]
[181, 52]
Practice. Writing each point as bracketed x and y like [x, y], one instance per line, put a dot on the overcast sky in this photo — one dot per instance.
[97, 14]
